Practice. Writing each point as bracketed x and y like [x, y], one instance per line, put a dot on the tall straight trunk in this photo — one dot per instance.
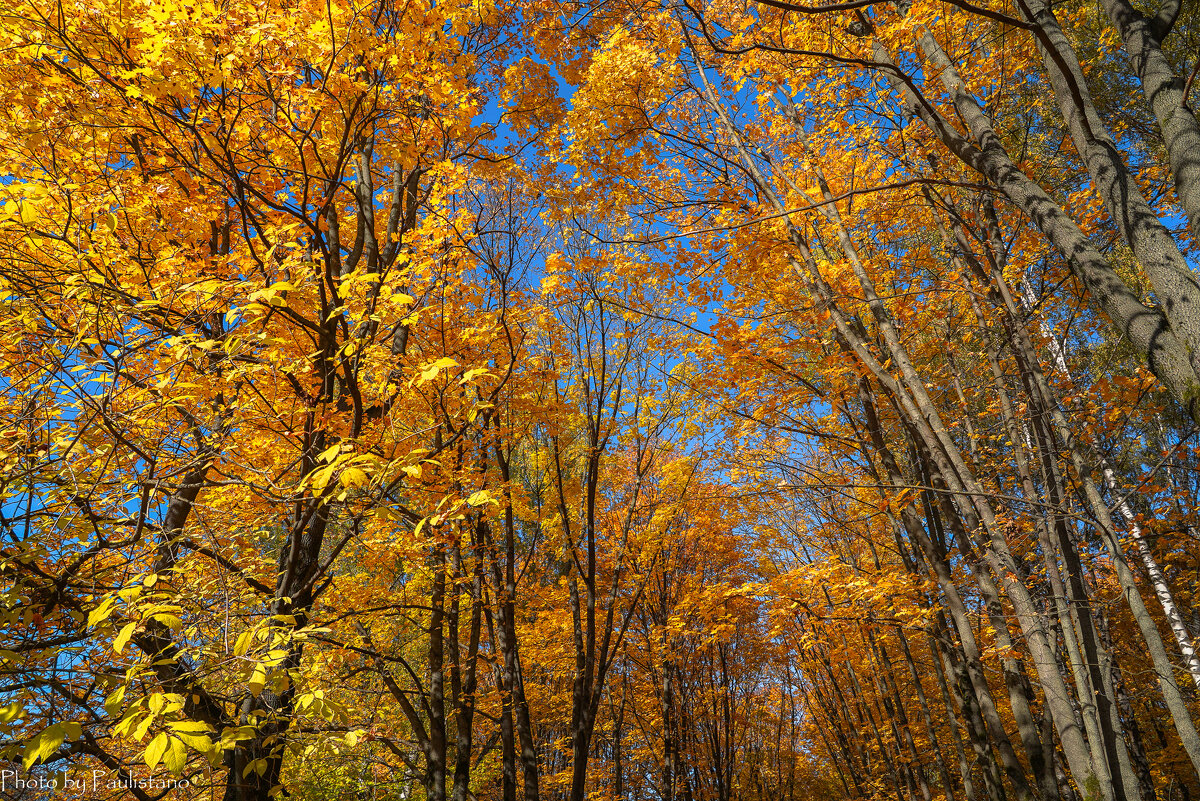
[1137, 749]
[917, 407]
[505, 580]
[879, 651]
[1158, 579]
[618, 754]
[843, 747]
[1044, 766]
[1014, 678]
[911, 569]
[670, 747]
[1098, 679]
[1148, 329]
[435, 766]
[935, 558]
[508, 747]
[1164, 89]
[953, 663]
[465, 676]
[964, 767]
[911, 394]
[1174, 282]
[1046, 400]
[1071, 600]
[516, 737]
[864, 714]
[927, 718]
[847, 733]
[1096, 705]
[1176, 705]
[849, 730]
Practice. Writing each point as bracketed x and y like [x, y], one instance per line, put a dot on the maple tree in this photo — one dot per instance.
[696, 401]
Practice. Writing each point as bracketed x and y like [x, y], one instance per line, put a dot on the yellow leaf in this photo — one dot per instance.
[321, 477]
[472, 374]
[123, 637]
[200, 742]
[113, 702]
[44, 745]
[354, 477]
[167, 619]
[143, 727]
[190, 726]
[156, 749]
[482, 497]
[101, 612]
[176, 756]
[258, 680]
[242, 644]
[11, 712]
[431, 372]
[29, 213]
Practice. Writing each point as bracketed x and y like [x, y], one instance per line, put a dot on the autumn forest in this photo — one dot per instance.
[600, 400]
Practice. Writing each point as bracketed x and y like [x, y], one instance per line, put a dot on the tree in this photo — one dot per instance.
[704, 402]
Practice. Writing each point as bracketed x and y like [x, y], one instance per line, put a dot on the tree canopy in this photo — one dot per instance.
[741, 400]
